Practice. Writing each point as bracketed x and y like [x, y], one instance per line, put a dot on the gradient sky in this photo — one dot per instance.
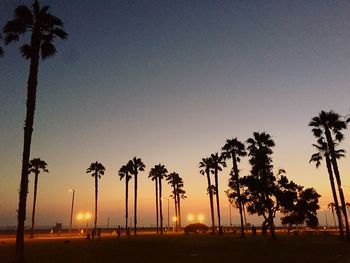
[170, 81]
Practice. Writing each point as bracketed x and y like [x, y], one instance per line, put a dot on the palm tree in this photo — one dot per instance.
[205, 166]
[1, 50]
[153, 175]
[181, 194]
[35, 166]
[330, 126]
[136, 166]
[235, 150]
[124, 173]
[331, 206]
[44, 28]
[173, 179]
[160, 173]
[97, 170]
[217, 162]
[322, 151]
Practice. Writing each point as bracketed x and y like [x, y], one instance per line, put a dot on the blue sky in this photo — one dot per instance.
[170, 81]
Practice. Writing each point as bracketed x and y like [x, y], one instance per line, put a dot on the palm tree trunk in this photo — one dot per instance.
[175, 205]
[217, 200]
[157, 206]
[126, 202]
[335, 197]
[179, 208]
[337, 177]
[235, 168]
[135, 206]
[96, 196]
[34, 204]
[211, 203]
[28, 130]
[160, 206]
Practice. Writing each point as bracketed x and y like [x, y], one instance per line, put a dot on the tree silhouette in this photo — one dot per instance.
[43, 28]
[181, 194]
[173, 179]
[205, 166]
[97, 170]
[124, 173]
[261, 183]
[300, 206]
[217, 162]
[160, 172]
[330, 126]
[35, 166]
[235, 150]
[136, 166]
[1, 49]
[322, 151]
[153, 175]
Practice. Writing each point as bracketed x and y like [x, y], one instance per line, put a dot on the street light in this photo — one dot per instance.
[168, 209]
[71, 210]
[200, 218]
[190, 218]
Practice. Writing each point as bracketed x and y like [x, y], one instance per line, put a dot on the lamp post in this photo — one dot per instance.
[71, 211]
[168, 210]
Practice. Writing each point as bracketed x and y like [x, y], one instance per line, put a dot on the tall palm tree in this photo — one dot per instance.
[1, 50]
[35, 166]
[322, 151]
[153, 175]
[97, 170]
[43, 28]
[235, 150]
[173, 179]
[261, 183]
[330, 126]
[205, 166]
[331, 206]
[217, 162]
[161, 173]
[181, 194]
[124, 173]
[136, 166]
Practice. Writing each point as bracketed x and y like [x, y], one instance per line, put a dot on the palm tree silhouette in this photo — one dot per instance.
[173, 179]
[330, 126]
[259, 147]
[235, 150]
[124, 173]
[205, 166]
[153, 175]
[322, 151]
[136, 165]
[217, 162]
[331, 206]
[160, 172]
[181, 194]
[1, 49]
[97, 170]
[35, 166]
[44, 28]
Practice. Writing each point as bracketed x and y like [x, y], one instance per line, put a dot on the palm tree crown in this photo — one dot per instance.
[44, 26]
[96, 169]
[36, 165]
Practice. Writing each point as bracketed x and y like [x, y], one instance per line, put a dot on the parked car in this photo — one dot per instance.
[196, 229]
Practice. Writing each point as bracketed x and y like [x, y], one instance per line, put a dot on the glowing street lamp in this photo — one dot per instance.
[190, 218]
[200, 218]
[87, 218]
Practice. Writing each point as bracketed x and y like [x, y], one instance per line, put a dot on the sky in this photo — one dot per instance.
[169, 82]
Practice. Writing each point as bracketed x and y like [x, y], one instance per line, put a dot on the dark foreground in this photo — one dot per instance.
[181, 248]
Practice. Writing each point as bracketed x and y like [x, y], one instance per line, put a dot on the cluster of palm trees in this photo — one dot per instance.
[131, 170]
[328, 127]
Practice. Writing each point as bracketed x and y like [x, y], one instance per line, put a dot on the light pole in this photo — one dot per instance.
[168, 210]
[71, 211]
